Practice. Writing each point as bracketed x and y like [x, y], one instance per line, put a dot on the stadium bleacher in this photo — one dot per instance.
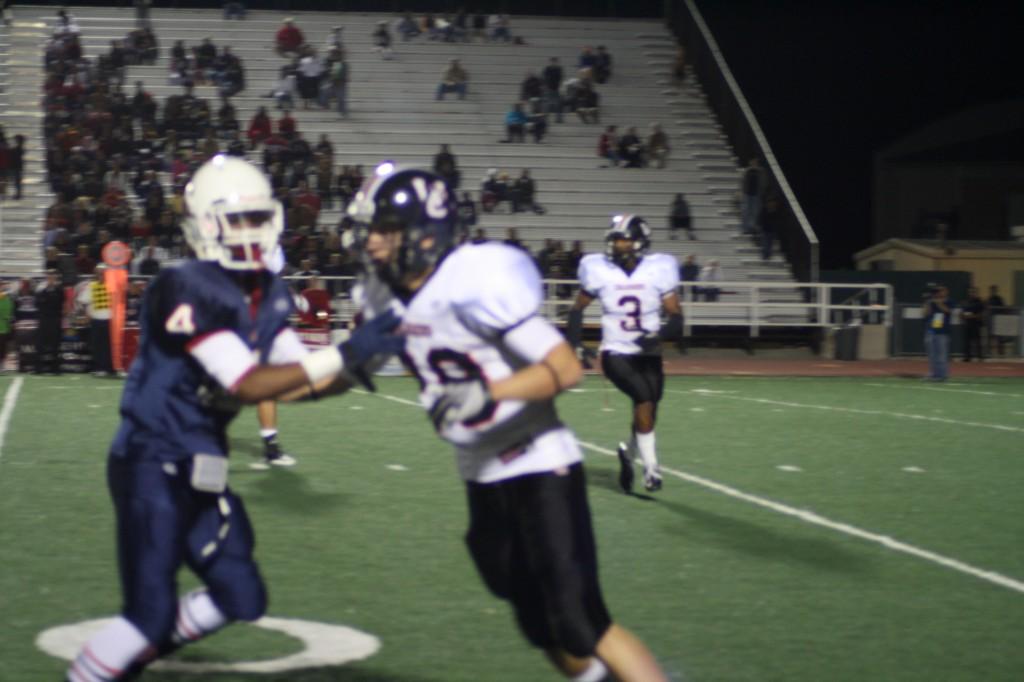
[393, 115]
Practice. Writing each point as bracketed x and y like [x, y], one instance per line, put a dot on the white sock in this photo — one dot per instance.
[198, 617]
[267, 433]
[595, 672]
[645, 445]
[108, 654]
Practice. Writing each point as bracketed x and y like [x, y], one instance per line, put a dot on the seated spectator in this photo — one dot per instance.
[679, 217]
[234, 10]
[608, 146]
[710, 275]
[631, 150]
[324, 148]
[586, 103]
[285, 90]
[447, 167]
[522, 195]
[479, 236]
[512, 239]
[325, 181]
[334, 39]
[317, 311]
[498, 27]
[382, 40]
[303, 196]
[259, 129]
[587, 58]
[493, 190]
[602, 65]
[407, 27]
[515, 124]
[467, 211]
[657, 146]
[453, 79]
[286, 125]
[537, 120]
[531, 87]
[289, 38]
[690, 272]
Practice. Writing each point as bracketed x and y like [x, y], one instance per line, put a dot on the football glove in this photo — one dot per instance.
[585, 356]
[460, 401]
[371, 338]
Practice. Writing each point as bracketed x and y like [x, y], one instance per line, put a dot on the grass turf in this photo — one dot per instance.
[366, 531]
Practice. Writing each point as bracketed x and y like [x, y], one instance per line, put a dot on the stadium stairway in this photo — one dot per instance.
[393, 115]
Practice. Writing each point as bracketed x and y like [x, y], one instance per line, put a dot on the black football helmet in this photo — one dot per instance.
[411, 200]
[631, 228]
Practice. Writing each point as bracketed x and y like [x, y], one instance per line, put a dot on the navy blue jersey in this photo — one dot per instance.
[171, 407]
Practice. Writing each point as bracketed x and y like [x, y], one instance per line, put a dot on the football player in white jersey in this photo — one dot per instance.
[489, 367]
[634, 286]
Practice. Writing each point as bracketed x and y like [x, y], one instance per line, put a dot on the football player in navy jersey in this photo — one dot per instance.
[214, 335]
[633, 286]
[489, 367]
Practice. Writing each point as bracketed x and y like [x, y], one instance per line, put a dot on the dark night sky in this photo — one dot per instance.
[831, 81]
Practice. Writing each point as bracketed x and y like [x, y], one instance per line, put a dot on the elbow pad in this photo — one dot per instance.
[673, 328]
[574, 331]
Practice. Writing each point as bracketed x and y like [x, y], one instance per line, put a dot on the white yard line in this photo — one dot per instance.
[808, 517]
[852, 410]
[948, 390]
[812, 518]
[10, 399]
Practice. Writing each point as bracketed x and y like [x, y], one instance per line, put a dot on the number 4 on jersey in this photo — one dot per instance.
[180, 321]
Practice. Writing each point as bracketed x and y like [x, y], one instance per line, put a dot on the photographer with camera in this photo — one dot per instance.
[936, 311]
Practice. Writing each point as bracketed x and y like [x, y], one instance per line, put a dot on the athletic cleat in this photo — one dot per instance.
[272, 455]
[625, 469]
[652, 481]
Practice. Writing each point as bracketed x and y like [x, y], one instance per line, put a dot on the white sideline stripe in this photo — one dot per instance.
[812, 518]
[10, 399]
[854, 410]
[806, 516]
[949, 390]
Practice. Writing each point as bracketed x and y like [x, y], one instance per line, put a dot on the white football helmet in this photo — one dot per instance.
[233, 217]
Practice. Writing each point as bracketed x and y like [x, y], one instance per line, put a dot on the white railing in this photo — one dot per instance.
[755, 305]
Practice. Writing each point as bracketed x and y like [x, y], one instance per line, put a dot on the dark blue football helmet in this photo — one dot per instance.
[411, 200]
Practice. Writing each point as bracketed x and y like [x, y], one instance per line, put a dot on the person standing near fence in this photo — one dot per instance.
[974, 318]
[936, 312]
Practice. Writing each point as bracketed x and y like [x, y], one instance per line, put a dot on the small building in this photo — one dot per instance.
[989, 262]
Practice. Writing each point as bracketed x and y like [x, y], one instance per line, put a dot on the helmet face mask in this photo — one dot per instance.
[233, 218]
[631, 229]
[414, 212]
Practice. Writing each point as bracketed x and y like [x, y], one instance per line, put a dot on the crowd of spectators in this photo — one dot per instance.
[630, 150]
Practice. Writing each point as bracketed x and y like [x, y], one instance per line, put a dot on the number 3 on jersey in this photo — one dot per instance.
[631, 323]
[180, 321]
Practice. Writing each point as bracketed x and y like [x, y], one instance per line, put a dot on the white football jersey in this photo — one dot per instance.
[477, 315]
[630, 303]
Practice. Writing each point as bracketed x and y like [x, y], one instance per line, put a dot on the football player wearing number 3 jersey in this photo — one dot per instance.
[489, 367]
[633, 286]
[214, 335]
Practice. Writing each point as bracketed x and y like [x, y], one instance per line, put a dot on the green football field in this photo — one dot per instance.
[809, 529]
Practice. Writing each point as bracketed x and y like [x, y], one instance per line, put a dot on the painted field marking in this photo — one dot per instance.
[788, 467]
[913, 470]
[10, 400]
[324, 644]
[810, 517]
[817, 520]
[949, 390]
[398, 467]
[854, 410]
